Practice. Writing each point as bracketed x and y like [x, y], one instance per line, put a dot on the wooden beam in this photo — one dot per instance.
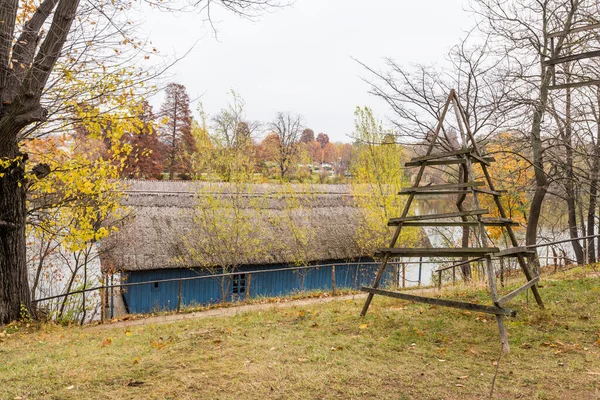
[575, 30]
[441, 223]
[514, 252]
[395, 221]
[436, 252]
[574, 85]
[441, 155]
[572, 57]
[499, 222]
[481, 160]
[443, 302]
[435, 193]
[431, 163]
[490, 192]
[505, 299]
[465, 185]
[454, 223]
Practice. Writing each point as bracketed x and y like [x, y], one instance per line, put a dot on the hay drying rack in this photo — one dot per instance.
[466, 186]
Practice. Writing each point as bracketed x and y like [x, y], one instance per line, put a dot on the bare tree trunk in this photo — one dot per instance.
[541, 180]
[570, 177]
[591, 216]
[465, 268]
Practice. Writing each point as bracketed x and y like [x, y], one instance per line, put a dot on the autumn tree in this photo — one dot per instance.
[176, 133]
[40, 49]
[288, 128]
[376, 182]
[308, 135]
[145, 159]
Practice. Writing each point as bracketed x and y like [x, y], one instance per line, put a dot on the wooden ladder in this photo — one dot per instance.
[464, 158]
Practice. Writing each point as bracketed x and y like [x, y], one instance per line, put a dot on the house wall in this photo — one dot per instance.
[164, 295]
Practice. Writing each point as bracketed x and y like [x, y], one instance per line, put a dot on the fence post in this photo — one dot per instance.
[333, 280]
[248, 282]
[179, 296]
[420, 269]
[403, 275]
[396, 277]
[103, 298]
[439, 280]
[453, 276]
[112, 296]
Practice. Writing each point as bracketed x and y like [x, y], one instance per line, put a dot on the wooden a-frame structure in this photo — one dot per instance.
[468, 155]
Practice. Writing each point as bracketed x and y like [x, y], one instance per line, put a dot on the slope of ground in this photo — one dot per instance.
[401, 350]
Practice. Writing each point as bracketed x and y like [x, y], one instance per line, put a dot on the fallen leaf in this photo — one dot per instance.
[440, 360]
[107, 342]
[70, 387]
[363, 326]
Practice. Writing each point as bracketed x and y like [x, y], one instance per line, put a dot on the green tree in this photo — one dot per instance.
[377, 179]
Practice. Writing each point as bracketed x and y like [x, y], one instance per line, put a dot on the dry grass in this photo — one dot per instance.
[400, 350]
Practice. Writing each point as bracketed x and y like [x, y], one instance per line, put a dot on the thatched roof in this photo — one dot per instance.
[287, 223]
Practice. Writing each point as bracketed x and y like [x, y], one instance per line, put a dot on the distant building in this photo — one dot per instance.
[154, 244]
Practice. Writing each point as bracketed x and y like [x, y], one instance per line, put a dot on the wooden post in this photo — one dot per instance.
[453, 276]
[403, 275]
[248, 281]
[112, 296]
[396, 276]
[439, 279]
[420, 269]
[103, 299]
[502, 272]
[333, 280]
[179, 296]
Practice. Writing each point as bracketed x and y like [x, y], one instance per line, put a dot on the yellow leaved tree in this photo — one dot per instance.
[74, 200]
[377, 177]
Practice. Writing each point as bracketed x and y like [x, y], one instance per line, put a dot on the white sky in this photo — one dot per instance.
[298, 59]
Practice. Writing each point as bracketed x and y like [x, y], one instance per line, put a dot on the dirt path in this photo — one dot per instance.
[228, 312]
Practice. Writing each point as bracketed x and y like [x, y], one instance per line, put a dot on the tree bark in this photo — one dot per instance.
[14, 286]
[21, 92]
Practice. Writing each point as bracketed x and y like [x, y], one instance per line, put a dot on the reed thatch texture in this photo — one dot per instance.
[163, 224]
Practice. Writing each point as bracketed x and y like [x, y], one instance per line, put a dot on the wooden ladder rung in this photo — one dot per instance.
[514, 252]
[440, 155]
[505, 299]
[431, 163]
[499, 222]
[442, 302]
[396, 221]
[432, 188]
[436, 252]
[491, 192]
[440, 223]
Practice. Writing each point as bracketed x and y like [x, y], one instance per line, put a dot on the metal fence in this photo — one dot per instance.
[399, 274]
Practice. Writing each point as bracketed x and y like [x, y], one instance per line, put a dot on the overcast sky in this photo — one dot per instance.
[298, 58]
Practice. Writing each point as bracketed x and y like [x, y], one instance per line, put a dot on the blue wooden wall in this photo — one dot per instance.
[163, 296]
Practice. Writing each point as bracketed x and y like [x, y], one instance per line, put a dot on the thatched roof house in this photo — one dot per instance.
[285, 223]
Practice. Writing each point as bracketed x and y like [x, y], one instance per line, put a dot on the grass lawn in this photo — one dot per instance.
[401, 350]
